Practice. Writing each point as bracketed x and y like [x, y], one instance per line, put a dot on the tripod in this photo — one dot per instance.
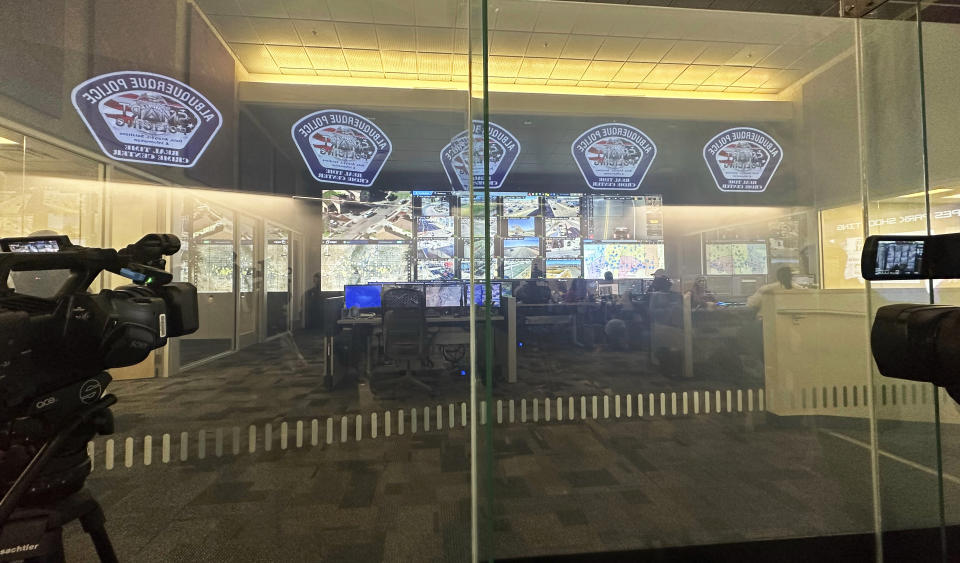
[35, 533]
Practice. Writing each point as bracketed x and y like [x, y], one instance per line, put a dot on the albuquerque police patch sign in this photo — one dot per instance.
[504, 150]
[613, 156]
[341, 147]
[742, 159]
[147, 118]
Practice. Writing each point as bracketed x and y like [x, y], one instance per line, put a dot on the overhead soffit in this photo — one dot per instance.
[543, 45]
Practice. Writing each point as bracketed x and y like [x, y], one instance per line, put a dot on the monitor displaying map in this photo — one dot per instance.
[624, 260]
[719, 259]
[736, 258]
[357, 264]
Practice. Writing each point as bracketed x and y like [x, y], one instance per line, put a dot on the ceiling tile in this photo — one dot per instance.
[634, 72]
[502, 80]
[263, 8]
[581, 47]
[546, 45]
[651, 50]
[718, 53]
[592, 84]
[510, 43]
[314, 33]
[682, 87]
[235, 29]
[326, 58]
[357, 35]
[275, 31]
[363, 60]
[537, 67]
[783, 56]
[616, 48]
[601, 71]
[255, 58]
[436, 13]
[460, 65]
[739, 90]
[755, 77]
[350, 11]
[289, 57]
[224, 7]
[307, 9]
[504, 66]
[751, 55]
[592, 20]
[726, 75]
[532, 81]
[711, 88]
[664, 73]
[401, 76]
[399, 61]
[298, 71]
[461, 41]
[695, 74]
[517, 16]
[434, 63]
[557, 17]
[557, 82]
[399, 12]
[434, 40]
[783, 79]
[767, 90]
[365, 74]
[569, 69]
[435, 77]
[397, 37]
[652, 86]
[684, 52]
[344, 73]
[623, 85]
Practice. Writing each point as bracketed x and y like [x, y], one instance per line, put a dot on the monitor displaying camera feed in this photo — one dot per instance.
[562, 247]
[435, 270]
[435, 249]
[562, 206]
[31, 246]
[435, 206]
[899, 258]
[478, 233]
[521, 227]
[360, 263]
[367, 215]
[564, 269]
[478, 206]
[444, 295]
[481, 268]
[613, 218]
[562, 228]
[480, 292]
[521, 206]
[361, 296]
[434, 227]
[527, 247]
[517, 269]
[624, 260]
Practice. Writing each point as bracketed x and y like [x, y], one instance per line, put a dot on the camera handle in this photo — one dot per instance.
[45, 454]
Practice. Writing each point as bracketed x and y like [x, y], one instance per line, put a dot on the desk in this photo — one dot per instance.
[505, 338]
[553, 314]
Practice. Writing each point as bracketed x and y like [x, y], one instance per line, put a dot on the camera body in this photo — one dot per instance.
[57, 340]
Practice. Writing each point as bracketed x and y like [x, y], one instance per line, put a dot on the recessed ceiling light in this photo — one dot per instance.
[527, 122]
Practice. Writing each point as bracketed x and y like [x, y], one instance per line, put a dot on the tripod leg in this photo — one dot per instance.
[93, 524]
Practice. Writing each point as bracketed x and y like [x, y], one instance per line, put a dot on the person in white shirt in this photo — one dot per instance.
[784, 281]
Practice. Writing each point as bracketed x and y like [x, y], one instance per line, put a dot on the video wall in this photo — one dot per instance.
[382, 236]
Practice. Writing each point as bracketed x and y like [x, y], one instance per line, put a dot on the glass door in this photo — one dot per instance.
[277, 278]
[249, 307]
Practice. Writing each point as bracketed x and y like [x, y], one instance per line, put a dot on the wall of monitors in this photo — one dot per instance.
[379, 236]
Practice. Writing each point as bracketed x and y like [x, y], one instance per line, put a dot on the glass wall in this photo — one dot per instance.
[500, 279]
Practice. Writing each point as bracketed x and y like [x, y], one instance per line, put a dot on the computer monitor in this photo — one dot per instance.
[479, 293]
[361, 296]
[444, 295]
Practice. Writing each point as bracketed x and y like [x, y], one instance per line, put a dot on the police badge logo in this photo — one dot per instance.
[341, 147]
[613, 156]
[504, 150]
[742, 159]
[147, 118]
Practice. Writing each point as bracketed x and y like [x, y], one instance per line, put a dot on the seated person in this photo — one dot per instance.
[700, 296]
[577, 292]
[533, 291]
[608, 276]
[660, 282]
[784, 281]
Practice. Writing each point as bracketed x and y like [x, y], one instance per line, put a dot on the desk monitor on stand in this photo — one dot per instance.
[444, 298]
[361, 297]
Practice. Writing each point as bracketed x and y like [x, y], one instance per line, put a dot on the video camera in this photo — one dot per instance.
[57, 340]
[919, 342]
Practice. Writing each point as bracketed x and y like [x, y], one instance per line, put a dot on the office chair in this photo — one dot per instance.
[405, 336]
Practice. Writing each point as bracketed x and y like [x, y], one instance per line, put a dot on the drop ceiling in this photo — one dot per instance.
[532, 43]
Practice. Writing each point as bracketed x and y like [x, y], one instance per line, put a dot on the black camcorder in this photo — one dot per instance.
[56, 342]
[919, 342]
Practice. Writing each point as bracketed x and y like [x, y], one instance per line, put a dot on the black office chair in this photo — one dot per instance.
[405, 335]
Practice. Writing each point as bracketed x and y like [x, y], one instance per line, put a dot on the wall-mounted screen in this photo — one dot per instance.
[434, 227]
[517, 269]
[361, 263]
[481, 268]
[478, 232]
[613, 218]
[562, 228]
[522, 227]
[435, 249]
[736, 258]
[624, 260]
[564, 269]
[527, 247]
[478, 206]
[367, 215]
[435, 206]
[719, 259]
[562, 206]
[435, 270]
[521, 206]
[562, 248]
[213, 266]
